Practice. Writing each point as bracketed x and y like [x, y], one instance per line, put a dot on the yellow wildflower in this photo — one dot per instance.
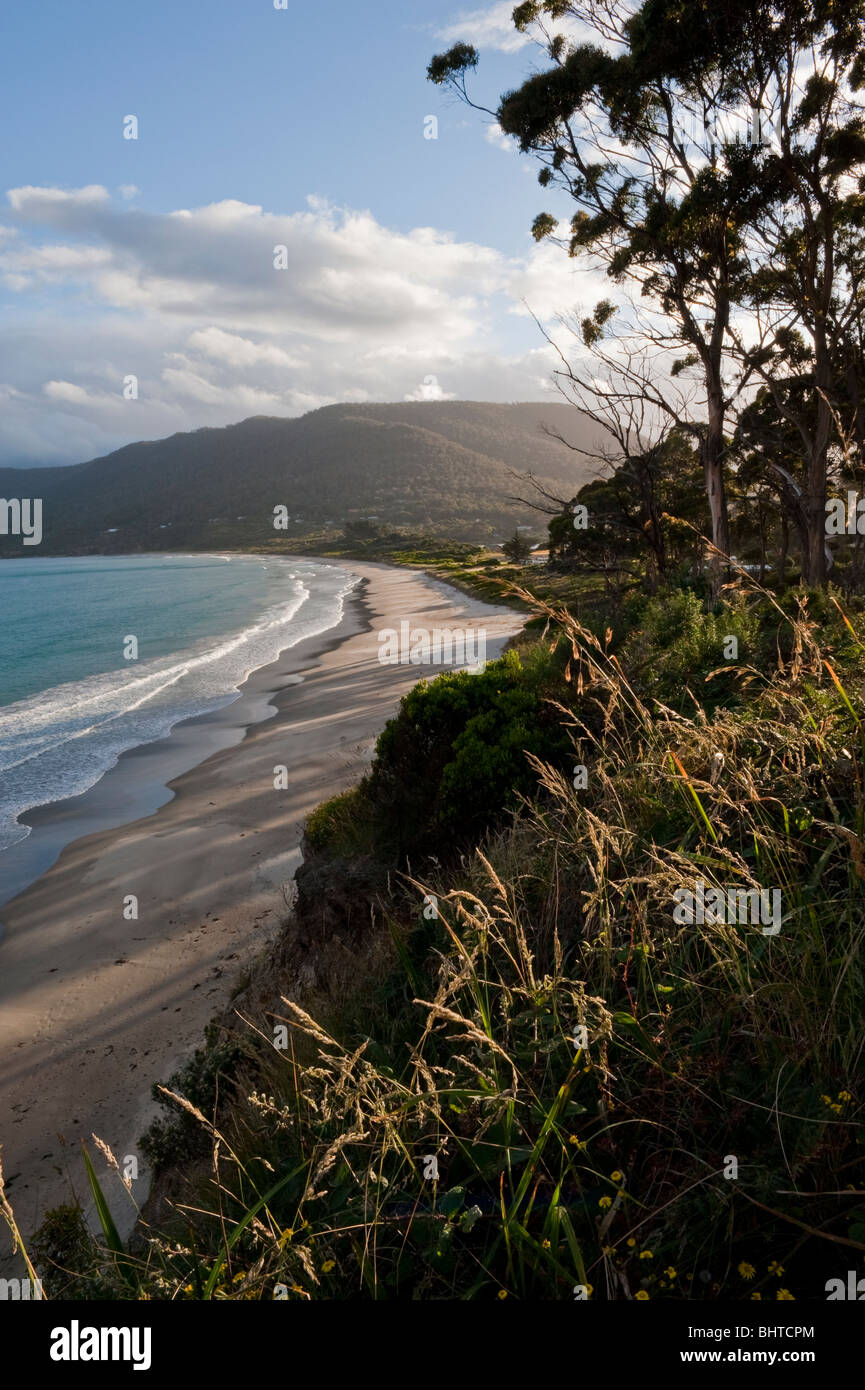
[503, 1293]
[784, 1295]
[641, 1295]
[617, 1176]
[746, 1271]
[328, 1266]
[605, 1202]
[646, 1255]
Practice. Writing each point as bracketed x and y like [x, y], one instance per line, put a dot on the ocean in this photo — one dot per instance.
[100, 655]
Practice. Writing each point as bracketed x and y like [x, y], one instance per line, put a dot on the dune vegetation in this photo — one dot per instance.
[485, 1059]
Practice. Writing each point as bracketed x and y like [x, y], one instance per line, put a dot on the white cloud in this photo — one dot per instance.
[67, 391]
[91, 398]
[488, 28]
[492, 28]
[24, 266]
[186, 381]
[494, 135]
[32, 201]
[221, 214]
[548, 283]
[191, 304]
[429, 390]
[239, 352]
[346, 273]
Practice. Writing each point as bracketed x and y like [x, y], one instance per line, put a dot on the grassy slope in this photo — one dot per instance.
[703, 1138]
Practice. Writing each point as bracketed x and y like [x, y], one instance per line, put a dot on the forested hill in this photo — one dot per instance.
[437, 465]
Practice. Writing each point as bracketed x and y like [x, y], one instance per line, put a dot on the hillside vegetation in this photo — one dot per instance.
[443, 466]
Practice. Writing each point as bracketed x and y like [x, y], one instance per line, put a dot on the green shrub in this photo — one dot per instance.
[340, 824]
[454, 758]
[679, 644]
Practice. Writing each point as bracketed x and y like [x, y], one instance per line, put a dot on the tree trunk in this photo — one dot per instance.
[814, 553]
[713, 468]
[814, 566]
[654, 529]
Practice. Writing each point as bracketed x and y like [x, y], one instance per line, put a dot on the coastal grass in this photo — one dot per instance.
[539, 1083]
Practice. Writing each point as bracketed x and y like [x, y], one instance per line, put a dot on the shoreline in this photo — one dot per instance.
[98, 1007]
[138, 783]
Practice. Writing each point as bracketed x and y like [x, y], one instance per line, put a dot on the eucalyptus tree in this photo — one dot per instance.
[804, 276]
[715, 157]
[625, 119]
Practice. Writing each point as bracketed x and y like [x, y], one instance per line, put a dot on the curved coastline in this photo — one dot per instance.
[137, 783]
[95, 1008]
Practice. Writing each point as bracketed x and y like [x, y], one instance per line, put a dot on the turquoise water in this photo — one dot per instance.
[70, 700]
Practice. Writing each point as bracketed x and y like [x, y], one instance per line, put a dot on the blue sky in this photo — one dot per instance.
[408, 258]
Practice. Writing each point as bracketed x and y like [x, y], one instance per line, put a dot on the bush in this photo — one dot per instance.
[340, 824]
[679, 644]
[454, 758]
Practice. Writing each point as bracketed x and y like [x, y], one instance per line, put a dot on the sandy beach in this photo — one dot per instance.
[95, 1008]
